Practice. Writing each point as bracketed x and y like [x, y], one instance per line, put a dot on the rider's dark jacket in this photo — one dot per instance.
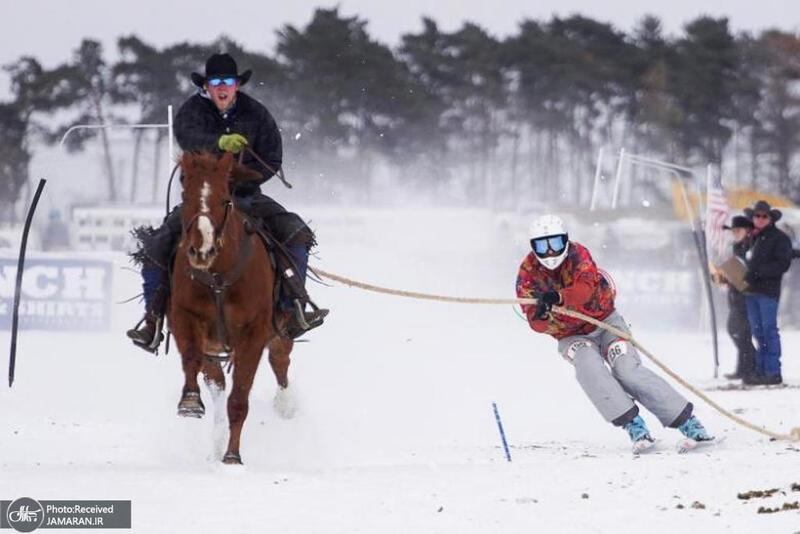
[199, 125]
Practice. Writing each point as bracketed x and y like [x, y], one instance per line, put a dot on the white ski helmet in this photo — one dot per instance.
[549, 240]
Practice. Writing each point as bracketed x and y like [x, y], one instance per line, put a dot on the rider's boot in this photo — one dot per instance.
[148, 334]
[296, 299]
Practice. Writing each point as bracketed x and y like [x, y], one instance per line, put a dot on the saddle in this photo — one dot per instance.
[288, 282]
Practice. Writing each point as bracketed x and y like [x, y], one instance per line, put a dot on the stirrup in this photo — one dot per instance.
[305, 321]
[158, 334]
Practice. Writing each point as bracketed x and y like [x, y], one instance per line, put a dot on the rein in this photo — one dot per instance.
[278, 173]
[169, 184]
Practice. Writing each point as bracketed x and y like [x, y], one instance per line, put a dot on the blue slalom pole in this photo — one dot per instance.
[502, 432]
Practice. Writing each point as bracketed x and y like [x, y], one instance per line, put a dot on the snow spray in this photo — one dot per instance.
[502, 432]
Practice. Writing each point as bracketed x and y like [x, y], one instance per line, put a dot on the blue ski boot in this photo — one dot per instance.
[694, 432]
[640, 436]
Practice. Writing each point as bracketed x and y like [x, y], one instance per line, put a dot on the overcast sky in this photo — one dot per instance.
[50, 29]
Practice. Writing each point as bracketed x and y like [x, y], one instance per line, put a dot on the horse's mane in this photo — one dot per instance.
[204, 162]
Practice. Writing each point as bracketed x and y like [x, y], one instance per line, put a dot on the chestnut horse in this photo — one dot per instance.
[222, 299]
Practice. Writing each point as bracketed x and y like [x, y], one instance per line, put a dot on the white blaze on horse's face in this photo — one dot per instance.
[204, 192]
[207, 231]
[204, 223]
[206, 252]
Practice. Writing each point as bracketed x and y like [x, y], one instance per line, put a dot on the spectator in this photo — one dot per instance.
[56, 234]
[768, 258]
[738, 324]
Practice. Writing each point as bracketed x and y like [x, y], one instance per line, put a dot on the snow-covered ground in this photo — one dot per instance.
[395, 431]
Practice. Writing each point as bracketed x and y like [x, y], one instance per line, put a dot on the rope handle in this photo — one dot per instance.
[794, 435]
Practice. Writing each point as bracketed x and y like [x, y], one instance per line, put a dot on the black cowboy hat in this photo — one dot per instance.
[762, 206]
[221, 66]
[739, 221]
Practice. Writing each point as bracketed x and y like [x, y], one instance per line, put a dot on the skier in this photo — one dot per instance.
[609, 369]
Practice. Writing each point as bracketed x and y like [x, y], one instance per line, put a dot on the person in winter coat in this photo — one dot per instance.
[768, 258]
[221, 118]
[738, 323]
[560, 272]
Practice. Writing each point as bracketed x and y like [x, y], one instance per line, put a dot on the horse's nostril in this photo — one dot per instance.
[212, 251]
[192, 251]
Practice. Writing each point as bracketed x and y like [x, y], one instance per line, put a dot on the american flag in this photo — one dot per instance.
[717, 211]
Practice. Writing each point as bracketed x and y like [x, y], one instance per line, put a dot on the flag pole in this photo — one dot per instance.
[707, 270]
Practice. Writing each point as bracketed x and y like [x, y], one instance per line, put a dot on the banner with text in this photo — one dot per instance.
[57, 294]
[659, 298]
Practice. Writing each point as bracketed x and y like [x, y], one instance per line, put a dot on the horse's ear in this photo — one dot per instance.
[183, 162]
[241, 175]
[227, 161]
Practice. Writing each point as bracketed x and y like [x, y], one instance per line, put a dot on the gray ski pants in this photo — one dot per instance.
[613, 392]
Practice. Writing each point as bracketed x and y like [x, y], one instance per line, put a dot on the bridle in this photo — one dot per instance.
[219, 230]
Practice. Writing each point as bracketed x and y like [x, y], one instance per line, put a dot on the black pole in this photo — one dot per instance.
[700, 245]
[18, 288]
[700, 238]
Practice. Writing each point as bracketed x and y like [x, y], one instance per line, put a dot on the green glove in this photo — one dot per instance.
[232, 143]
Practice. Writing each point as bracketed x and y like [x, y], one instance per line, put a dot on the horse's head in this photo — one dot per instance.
[207, 204]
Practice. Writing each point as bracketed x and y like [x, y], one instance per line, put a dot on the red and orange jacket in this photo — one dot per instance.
[582, 286]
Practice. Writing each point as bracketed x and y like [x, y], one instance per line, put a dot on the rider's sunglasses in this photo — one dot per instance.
[216, 82]
[761, 215]
[554, 244]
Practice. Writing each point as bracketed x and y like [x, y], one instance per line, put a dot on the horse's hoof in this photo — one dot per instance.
[191, 405]
[232, 458]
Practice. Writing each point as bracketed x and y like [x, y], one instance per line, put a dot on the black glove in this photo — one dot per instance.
[545, 303]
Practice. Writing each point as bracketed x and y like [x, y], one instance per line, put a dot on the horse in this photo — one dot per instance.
[221, 308]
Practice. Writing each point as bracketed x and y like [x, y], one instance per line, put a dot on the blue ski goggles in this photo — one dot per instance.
[216, 82]
[550, 245]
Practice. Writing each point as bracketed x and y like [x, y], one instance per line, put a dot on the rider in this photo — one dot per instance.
[221, 118]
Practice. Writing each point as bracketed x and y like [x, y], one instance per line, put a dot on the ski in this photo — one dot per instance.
[643, 446]
[687, 444]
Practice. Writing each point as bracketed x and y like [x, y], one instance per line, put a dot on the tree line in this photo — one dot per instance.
[482, 119]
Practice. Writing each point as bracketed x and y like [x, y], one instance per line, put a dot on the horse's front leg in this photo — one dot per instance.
[279, 358]
[190, 404]
[215, 380]
[244, 371]
[185, 330]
